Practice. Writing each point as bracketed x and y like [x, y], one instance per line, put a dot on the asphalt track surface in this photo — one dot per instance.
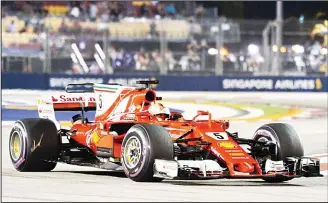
[72, 183]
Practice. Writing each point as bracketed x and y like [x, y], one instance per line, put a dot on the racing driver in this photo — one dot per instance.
[158, 110]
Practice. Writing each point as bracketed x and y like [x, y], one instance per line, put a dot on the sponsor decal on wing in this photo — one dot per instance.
[69, 98]
[227, 145]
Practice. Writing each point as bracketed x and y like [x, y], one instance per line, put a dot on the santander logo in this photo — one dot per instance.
[64, 98]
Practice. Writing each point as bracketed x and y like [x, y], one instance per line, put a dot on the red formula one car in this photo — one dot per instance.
[126, 134]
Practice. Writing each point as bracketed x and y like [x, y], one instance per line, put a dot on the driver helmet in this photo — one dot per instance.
[159, 110]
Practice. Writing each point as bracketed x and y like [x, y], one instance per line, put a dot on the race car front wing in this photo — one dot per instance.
[209, 169]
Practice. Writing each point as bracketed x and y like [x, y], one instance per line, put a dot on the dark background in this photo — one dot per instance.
[264, 10]
[267, 9]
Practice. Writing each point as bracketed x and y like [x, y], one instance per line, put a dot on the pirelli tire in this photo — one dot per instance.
[288, 144]
[34, 145]
[149, 142]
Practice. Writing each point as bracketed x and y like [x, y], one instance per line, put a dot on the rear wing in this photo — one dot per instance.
[77, 97]
[80, 97]
[48, 105]
[102, 98]
[71, 102]
[85, 96]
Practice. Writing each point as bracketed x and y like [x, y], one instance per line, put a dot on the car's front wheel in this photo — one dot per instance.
[143, 144]
[287, 141]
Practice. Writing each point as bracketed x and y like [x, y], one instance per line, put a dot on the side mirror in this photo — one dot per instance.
[202, 113]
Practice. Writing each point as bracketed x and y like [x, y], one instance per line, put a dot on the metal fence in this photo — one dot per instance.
[168, 46]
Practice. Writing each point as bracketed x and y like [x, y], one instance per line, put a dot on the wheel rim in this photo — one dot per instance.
[265, 139]
[15, 146]
[132, 152]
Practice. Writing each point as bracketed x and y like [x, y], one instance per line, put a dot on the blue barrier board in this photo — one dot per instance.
[170, 83]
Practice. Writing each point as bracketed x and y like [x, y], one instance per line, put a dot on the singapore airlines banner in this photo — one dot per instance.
[169, 83]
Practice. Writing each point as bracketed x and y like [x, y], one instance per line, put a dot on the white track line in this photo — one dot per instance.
[252, 113]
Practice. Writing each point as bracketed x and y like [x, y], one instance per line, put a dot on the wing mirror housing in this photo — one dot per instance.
[202, 113]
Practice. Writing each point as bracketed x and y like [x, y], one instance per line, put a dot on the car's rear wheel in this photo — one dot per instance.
[34, 145]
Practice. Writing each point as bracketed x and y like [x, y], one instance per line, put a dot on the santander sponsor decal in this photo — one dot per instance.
[65, 98]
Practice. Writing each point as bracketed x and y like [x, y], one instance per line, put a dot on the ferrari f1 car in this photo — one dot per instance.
[124, 135]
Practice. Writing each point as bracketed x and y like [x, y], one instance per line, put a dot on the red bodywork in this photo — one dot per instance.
[96, 134]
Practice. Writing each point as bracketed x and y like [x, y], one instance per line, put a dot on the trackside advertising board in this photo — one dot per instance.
[311, 84]
[170, 83]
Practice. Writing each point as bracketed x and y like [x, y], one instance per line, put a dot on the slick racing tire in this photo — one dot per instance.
[34, 145]
[143, 144]
[287, 140]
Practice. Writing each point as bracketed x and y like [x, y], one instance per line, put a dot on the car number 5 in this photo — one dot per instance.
[100, 101]
[218, 135]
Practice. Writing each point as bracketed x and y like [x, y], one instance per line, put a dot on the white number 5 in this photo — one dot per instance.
[218, 135]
